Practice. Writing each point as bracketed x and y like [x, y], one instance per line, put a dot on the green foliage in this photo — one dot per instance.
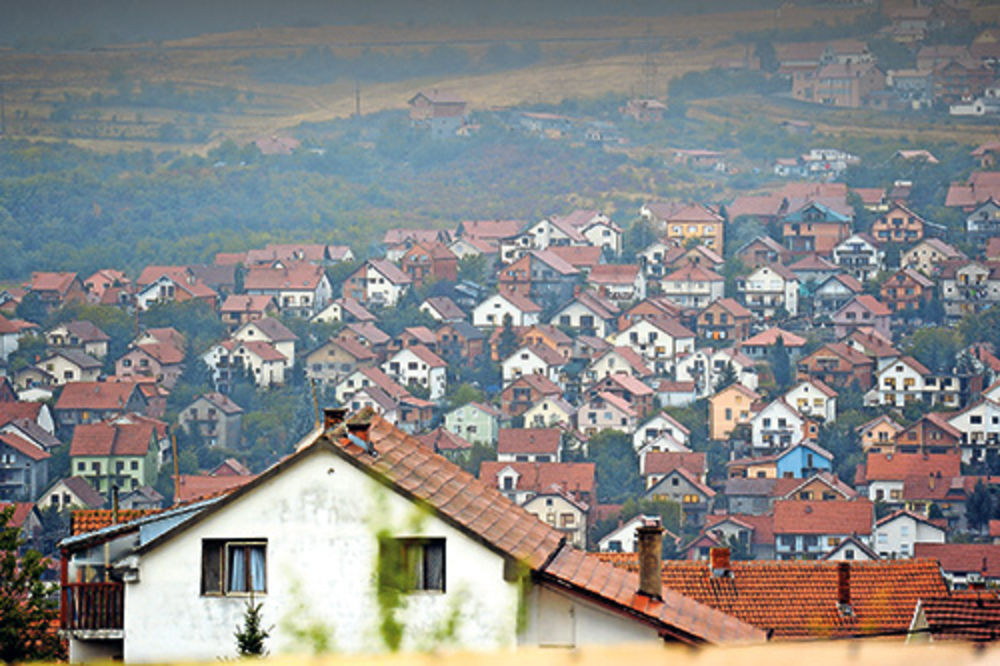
[936, 347]
[722, 82]
[30, 350]
[194, 319]
[781, 365]
[251, 636]
[738, 550]
[507, 343]
[26, 609]
[890, 54]
[616, 464]
[475, 456]
[727, 378]
[842, 440]
[979, 507]
[31, 308]
[934, 512]
[463, 394]
[638, 236]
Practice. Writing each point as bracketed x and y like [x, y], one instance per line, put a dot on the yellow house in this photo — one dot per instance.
[687, 222]
[879, 435]
[728, 408]
[549, 412]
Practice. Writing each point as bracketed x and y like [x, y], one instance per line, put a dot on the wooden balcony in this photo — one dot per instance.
[92, 606]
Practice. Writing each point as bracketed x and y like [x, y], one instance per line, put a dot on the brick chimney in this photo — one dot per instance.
[720, 562]
[844, 588]
[650, 534]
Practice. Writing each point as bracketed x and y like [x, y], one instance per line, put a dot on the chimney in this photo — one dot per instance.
[720, 562]
[333, 416]
[650, 534]
[844, 588]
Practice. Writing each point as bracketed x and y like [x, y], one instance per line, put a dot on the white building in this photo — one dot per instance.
[768, 289]
[533, 360]
[777, 426]
[658, 342]
[492, 312]
[814, 399]
[420, 366]
[896, 534]
[317, 536]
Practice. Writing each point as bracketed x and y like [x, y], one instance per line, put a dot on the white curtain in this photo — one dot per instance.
[257, 577]
[237, 569]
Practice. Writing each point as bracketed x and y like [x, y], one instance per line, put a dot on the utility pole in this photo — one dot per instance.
[357, 98]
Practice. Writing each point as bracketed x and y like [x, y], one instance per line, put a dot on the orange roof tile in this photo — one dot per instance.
[88, 520]
[823, 517]
[968, 616]
[528, 440]
[96, 395]
[797, 600]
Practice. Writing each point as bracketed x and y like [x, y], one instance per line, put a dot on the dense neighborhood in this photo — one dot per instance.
[772, 414]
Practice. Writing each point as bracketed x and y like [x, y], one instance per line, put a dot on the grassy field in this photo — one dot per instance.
[579, 59]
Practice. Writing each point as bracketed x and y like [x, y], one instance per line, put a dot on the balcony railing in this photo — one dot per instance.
[93, 606]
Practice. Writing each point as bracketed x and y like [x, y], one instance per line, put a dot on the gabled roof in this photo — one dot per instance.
[573, 478]
[898, 466]
[223, 402]
[686, 474]
[111, 439]
[540, 383]
[96, 395]
[522, 303]
[23, 446]
[78, 358]
[849, 281]
[477, 509]
[88, 520]
[622, 274]
[163, 353]
[83, 491]
[192, 487]
[240, 303]
[441, 439]
[868, 302]
[694, 273]
[84, 330]
[528, 440]
[611, 399]
[554, 261]
[273, 329]
[823, 517]
[547, 355]
[813, 262]
[978, 558]
[627, 383]
[369, 331]
[826, 478]
[972, 616]
[298, 275]
[663, 462]
[903, 513]
[426, 355]
[49, 281]
[445, 307]
[770, 337]
[579, 256]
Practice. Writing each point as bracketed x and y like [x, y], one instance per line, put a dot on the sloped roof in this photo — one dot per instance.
[300, 275]
[445, 307]
[111, 439]
[49, 281]
[770, 337]
[21, 512]
[76, 357]
[427, 356]
[95, 395]
[197, 486]
[554, 262]
[84, 491]
[273, 329]
[23, 446]
[368, 331]
[522, 303]
[694, 273]
[576, 477]
[85, 330]
[246, 303]
[578, 256]
[982, 558]
[528, 440]
[823, 517]
[223, 402]
[797, 600]
[163, 353]
[88, 520]
[663, 462]
[898, 466]
[972, 616]
[441, 439]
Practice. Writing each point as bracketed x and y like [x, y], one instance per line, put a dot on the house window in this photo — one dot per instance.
[233, 567]
[412, 564]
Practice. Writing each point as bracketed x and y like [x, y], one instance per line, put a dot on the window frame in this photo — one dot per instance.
[217, 583]
[412, 568]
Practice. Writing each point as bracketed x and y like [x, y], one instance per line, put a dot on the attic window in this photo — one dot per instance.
[409, 565]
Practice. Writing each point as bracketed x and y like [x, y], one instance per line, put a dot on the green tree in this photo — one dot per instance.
[508, 342]
[616, 466]
[251, 636]
[727, 378]
[781, 365]
[26, 609]
[979, 507]
[936, 347]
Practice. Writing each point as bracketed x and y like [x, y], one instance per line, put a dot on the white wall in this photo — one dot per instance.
[319, 518]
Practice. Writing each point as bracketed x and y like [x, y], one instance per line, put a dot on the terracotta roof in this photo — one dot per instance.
[95, 395]
[870, 195]
[528, 440]
[575, 478]
[555, 262]
[384, 382]
[231, 467]
[770, 337]
[694, 273]
[239, 303]
[813, 262]
[441, 439]
[614, 274]
[427, 356]
[191, 487]
[732, 306]
[294, 276]
[445, 307]
[23, 446]
[628, 383]
[48, 281]
[163, 353]
[611, 399]
[368, 331]
[898, 466]
[848, 281]
[797, 600]
[522, 303]
[354, 348]
[972, 616]
[490, 229]
[88, 520]
[908, 514]
[21, 512]
[111, 439]
[981, 558]
[540, 383]
[663, 462]
[33, 432]
[85, 330]
[872, 304]
[579, 256]
[264, 350]
[823, 517]
[764, 205]
[74, 356]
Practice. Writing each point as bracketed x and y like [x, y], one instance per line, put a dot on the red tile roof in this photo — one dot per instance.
[23, 446]
[574, 478]
[440, 439]
[770, 337]
[112, 439]
[294, 276]
[694, 273]
[528, 440]
[968, 616]
[191, 486]
[47, 281]
[614, 274]
[88, 520]
[823, 517]
[21, 512]
[762, 525]
[983, 558]
[663, 462]
[96, 395]
[898, 466]
[797, 600]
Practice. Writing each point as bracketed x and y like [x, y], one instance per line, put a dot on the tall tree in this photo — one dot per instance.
[979, 507]
[26, 610]
[781, 365]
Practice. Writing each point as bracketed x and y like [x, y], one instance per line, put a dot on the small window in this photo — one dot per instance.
[233, 567]
[410, 565]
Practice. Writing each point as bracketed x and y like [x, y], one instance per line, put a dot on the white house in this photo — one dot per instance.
[658, 342]
[617, 360]
[860, 256]
[776, 426]
[979, 424]
[533, 360]
[907, 380]
[693, 286]
[318, 535]
[813, 399]
[270, 330]
[896, 534]
[420, 366]
[661, 425]
[495, 309]
[548, 412]
[265, 364]
[589, 313]
[705, 367]
[768, 289]
[298, 287]
[623, 539]
[605, 411]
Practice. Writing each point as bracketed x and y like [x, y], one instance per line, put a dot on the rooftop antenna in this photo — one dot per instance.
[319, 421]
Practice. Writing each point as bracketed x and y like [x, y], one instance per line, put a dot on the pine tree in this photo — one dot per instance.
[251, 636]
[26, 610]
